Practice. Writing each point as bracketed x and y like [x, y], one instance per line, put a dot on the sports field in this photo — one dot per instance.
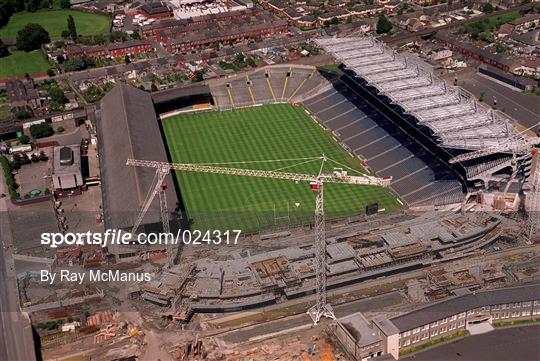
[270, 132]
[18, 63]
[55, 21]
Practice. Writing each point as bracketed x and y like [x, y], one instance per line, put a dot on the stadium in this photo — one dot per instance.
[380, 113]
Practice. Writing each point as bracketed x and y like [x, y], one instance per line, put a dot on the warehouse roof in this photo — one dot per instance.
[456, 305]
[128, 128]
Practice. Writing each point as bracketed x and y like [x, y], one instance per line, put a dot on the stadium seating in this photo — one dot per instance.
[271, 84]
[419, 176]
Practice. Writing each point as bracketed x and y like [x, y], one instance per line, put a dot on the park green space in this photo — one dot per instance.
[55, 21]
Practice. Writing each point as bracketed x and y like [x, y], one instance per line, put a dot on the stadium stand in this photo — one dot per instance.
[127, 128]
[419, 177]
[271, 84]
[458, 139]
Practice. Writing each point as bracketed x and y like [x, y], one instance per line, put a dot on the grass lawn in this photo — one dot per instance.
[55, 21]
[20, 62]
[256, 134]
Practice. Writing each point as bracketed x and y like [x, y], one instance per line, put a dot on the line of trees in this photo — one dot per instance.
[9, 7]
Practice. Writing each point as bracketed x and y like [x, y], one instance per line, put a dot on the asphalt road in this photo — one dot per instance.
[512, 344]
[377, 303]
[16, 342]
[525, 108]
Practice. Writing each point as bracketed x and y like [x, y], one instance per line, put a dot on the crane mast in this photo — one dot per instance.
[321, 307]
[533, 222]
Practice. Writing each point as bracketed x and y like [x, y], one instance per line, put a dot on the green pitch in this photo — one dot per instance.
[18, 63]
[270, 132]
[55, 21]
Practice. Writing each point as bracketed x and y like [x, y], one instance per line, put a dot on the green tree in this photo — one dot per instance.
[4, 51]
[486, 36]
[198, 76]
[383, 25]
[24, 139]
[487, 8]
[76, 64]
[65, 4]
[57, 95]
[23, 114]
[72, 28]
[31, 37]
[41, 130]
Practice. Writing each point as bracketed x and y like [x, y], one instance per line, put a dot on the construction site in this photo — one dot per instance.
[444, 206]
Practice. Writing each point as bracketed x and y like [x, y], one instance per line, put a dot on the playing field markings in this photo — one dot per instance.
[268, 132]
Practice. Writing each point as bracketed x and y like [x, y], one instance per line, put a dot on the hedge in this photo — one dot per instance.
[10, 181]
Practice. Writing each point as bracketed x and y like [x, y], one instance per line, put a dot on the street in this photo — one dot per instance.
[16, 343]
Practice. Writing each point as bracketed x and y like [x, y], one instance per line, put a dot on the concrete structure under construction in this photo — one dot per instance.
[256, 280]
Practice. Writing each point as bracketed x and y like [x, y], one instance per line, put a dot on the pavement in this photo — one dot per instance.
[525, 108]
[516, 343]
[16, 341]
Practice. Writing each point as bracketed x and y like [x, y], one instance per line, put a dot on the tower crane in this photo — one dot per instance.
[316, 182]
[532, 229]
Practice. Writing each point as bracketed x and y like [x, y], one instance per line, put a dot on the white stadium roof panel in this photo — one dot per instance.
[452, 114]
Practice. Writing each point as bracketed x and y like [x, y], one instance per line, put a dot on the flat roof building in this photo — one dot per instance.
[453, 317]
[67, 167]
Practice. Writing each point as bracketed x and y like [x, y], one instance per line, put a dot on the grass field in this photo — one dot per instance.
[55, 21]
[20, 62]
[258, 134]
